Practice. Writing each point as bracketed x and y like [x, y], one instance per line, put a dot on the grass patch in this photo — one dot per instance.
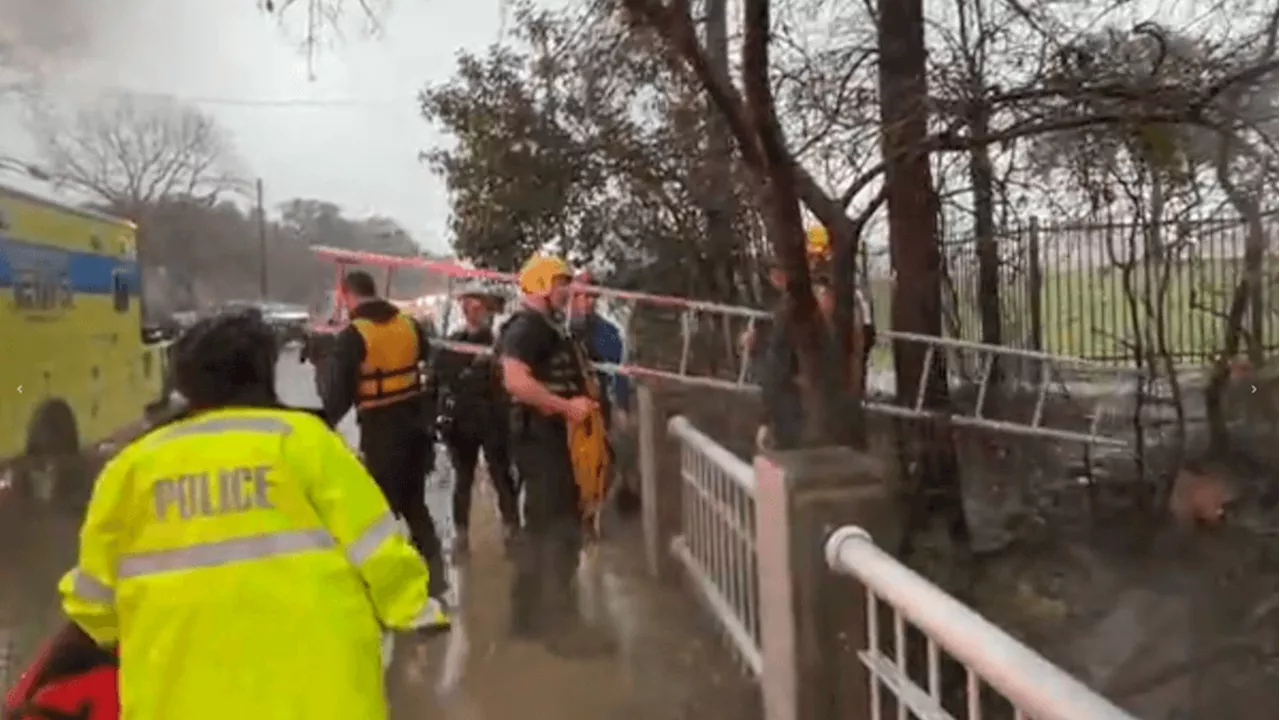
[1086, 313]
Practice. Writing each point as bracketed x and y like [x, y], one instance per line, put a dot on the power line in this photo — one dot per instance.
[267, 103]
[250, 102]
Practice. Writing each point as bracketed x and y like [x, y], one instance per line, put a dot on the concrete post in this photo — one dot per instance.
[814, 622]
[659, 481]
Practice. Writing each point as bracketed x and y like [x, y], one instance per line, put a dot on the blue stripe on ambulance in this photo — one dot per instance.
[88, 273]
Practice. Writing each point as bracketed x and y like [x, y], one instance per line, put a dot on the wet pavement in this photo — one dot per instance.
[669, 664]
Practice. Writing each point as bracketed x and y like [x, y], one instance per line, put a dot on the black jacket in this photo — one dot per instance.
[778, 369]
[468, 386]
[344, 375]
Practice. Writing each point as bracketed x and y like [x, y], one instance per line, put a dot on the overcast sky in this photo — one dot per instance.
[351, 135]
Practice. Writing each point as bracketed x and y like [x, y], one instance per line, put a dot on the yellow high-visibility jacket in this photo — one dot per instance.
[245, 562]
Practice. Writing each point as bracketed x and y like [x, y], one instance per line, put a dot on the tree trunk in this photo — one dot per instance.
[916, 261]
[982, 177]
[1247, 294]
[718, 198]
[833, 413]
[982, 180]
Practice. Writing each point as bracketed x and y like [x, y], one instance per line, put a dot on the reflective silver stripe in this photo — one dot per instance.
[224, 552]
[363, 546]
[86, 587]
[218, 425]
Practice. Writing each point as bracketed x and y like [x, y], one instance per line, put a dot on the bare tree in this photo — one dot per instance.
[131, 152]
[324, 20]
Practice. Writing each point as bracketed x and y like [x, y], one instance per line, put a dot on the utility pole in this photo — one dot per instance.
[262, 239]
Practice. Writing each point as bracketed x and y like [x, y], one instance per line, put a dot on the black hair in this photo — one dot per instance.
[228, 359]
[360, 283]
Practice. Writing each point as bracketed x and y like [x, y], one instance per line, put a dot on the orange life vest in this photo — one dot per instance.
[390, 370]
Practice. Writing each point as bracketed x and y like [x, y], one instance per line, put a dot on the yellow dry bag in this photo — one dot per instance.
[589, 447]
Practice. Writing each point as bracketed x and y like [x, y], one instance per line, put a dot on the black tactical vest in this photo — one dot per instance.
[470, 391]
[559, 372]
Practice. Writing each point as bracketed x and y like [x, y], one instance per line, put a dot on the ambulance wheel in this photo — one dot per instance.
[54, 471]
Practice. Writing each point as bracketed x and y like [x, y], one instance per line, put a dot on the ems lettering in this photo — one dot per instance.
[210, 494]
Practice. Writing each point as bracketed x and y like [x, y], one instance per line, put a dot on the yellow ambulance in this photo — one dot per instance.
[75, 368]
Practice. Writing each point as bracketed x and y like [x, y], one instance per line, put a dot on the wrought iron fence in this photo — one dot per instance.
[1065, 287]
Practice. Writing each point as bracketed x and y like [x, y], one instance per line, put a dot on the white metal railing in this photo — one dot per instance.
[1031, 684]
[716, 545]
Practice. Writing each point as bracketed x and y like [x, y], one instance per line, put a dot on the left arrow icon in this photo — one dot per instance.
[19, 388]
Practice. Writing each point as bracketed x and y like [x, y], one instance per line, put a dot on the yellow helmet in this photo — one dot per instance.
[540, 273]
[817, 243]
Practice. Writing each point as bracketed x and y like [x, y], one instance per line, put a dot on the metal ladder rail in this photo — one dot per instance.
[950, 348]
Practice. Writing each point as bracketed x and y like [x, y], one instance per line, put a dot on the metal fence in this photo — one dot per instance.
[1034, 687]
[1063, 287]
[716, 545]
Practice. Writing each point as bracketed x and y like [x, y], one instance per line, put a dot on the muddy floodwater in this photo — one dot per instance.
[1171, 620]
[669, 664]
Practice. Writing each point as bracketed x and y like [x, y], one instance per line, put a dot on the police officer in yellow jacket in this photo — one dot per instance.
[241, 557]
[376, 366]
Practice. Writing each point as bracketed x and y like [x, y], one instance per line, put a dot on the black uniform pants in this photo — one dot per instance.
[464, 451]
[543, 596]
[399, 461]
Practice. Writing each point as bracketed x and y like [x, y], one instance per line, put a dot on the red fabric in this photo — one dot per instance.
[97, 689]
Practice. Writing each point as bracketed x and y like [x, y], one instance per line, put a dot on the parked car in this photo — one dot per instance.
[289, 321]
[186, 318]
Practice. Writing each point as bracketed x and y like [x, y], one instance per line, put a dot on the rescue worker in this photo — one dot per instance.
[604, 343]
[242, 558]
[544, 371]
[781, 392]
[818, 249]
[377, 366]
[473, 412]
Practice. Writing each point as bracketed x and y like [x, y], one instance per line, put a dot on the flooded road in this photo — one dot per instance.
[669, 665]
